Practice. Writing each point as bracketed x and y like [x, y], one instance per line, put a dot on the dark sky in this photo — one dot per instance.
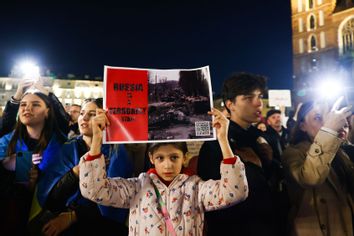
[230, 36]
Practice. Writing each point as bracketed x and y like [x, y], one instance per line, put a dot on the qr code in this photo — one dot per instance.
[202, 128]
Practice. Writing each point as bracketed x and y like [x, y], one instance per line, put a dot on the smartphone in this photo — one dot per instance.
[23, 166]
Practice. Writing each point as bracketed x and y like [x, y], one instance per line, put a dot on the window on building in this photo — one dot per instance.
[312, 43]
[312, 22]
[348, 36]
[310, 4]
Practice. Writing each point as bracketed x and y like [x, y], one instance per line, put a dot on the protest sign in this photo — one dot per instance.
[151, 105]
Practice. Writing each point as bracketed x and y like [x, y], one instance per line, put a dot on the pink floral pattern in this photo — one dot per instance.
[186, 198]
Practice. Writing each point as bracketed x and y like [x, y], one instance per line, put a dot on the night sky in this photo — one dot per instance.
[252, 36]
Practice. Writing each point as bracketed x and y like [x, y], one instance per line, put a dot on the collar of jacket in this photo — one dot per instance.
[271, 130]
[185, 171]
[240, 137]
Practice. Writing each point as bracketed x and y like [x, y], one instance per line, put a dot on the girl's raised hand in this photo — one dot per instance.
[220, 123]
[99, 123]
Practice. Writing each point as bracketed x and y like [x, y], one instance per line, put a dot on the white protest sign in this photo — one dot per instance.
[279, 98]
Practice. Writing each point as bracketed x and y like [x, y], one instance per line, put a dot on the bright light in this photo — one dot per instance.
[329, 88]
[8, 86]
[78, 92]
[29, 70]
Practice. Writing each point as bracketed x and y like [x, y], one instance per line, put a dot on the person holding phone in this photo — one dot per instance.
[12, 107]
[36, 134]
[319, 173]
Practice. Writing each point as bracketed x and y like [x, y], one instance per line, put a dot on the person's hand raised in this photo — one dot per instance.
[220, 123]
[22, 86]
[336, 118]
[99, 123]
[39, 85]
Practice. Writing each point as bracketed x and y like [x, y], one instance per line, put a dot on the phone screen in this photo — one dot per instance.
[23, 166]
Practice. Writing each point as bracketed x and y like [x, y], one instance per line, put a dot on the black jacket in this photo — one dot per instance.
[254, 216]
[277, 142]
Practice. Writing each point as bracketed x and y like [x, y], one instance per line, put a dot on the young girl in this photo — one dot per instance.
[36, 133]
[164, 200]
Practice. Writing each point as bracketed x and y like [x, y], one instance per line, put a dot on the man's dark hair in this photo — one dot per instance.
[242, 84]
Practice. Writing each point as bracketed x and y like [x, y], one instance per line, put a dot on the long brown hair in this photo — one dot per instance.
[21, 133]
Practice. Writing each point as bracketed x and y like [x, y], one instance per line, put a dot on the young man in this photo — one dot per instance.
[242, 95]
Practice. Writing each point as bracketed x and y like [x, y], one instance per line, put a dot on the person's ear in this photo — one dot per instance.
[150, 158]
[229, 104]
[46, 113]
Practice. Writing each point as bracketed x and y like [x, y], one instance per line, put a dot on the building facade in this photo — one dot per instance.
[69, 90]
[323, 46]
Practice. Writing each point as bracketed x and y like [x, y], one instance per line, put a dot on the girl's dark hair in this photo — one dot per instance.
[182, 146]
[297, 135]
[21, 133]
[97, 101]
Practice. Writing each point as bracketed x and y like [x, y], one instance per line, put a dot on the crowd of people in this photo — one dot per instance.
[258, 178]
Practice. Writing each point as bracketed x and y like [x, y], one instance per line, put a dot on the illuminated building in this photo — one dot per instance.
[323, 45]
[69, 90]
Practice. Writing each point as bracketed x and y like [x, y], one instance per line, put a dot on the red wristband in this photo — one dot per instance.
[91, 158]
[231, 160]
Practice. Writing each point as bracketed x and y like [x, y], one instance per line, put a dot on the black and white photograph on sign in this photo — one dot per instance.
[179, 101]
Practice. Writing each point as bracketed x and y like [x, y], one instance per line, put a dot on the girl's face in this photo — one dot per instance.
[313, 122]
[168, 161]
[87, 112]
[33, 110]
